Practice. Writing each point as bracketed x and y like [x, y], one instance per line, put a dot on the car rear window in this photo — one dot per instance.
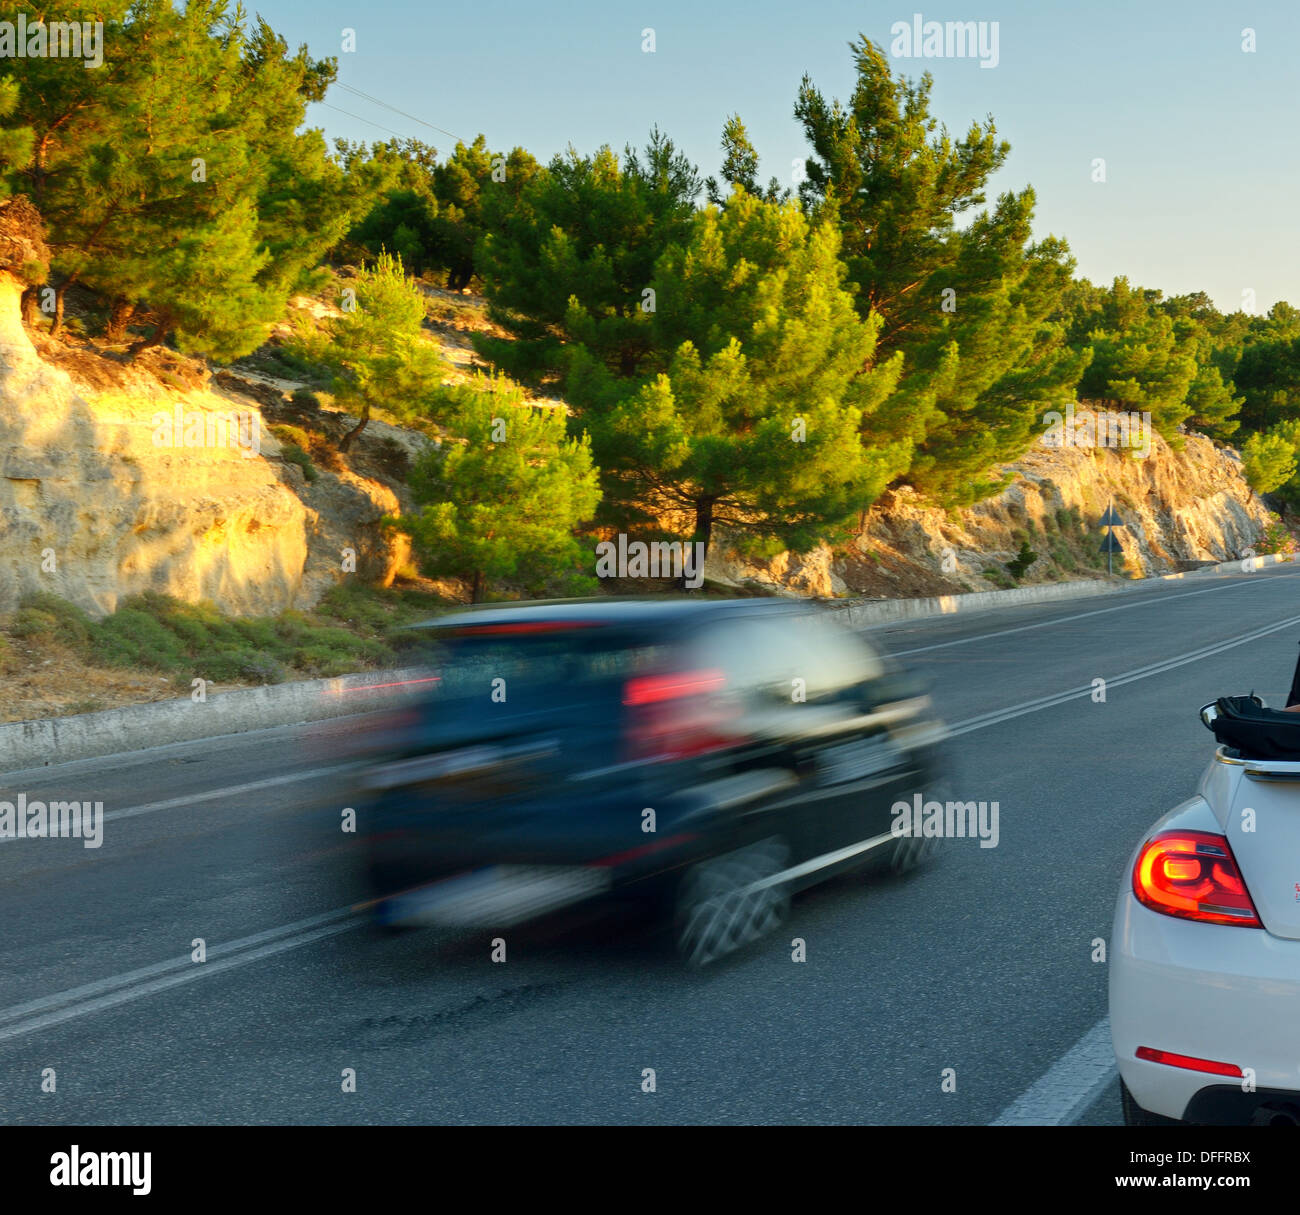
[565, 661]
[771, 650]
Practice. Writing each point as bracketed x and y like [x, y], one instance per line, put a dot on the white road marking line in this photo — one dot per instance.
[134, 985]
[174, 803]
[1065, 1091]
[189, 799]
[1155, 668]
[1043, 624]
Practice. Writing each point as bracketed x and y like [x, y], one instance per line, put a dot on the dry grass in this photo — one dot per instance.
[47, 679]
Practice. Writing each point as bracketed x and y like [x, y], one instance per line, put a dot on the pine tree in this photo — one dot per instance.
[462, 186]
[588, 229]
[1268, 377]
[1269, 460]
[740, 168]
[1143, 359]
[972, 310]
[183, 153]
[753, 416]
[376, 352]
[502, 495]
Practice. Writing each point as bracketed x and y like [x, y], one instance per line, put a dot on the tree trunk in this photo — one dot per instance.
[703, 531]
[476, 593]
[704, 521]
[119, 318]
[31, 305]
[162, 327]
[345, 443]
[57, 327]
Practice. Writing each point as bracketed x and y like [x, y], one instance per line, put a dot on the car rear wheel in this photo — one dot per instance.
[1135, 1115]
[728, 901]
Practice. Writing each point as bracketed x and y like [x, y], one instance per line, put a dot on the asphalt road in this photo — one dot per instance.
[982, 964]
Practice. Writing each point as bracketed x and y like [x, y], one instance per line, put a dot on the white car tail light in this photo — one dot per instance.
[1192, 875]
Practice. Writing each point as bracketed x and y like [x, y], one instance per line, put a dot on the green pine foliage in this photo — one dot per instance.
[175, 180]
[375, 351]
[974, 310]
[588, 229]
[501, 496]
[1269, 460]
[755, 413]
[434, 215]
[17, 142]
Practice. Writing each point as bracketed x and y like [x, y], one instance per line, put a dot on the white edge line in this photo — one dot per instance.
[1064, 1092]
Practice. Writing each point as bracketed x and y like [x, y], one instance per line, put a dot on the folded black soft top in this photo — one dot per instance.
[1254, 731]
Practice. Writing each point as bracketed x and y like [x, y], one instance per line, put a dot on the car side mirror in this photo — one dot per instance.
[1208, 715]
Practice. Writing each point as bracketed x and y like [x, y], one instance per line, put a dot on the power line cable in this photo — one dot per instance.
[375, 101]
[358, 117]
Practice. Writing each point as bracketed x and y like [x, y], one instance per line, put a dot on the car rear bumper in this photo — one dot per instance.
[1207, 991]
[496, 896]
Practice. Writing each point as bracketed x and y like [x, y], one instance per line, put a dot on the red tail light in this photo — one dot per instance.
[1192, 874]
[677, 715]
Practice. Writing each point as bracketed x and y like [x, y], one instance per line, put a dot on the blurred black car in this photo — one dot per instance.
[704, 759]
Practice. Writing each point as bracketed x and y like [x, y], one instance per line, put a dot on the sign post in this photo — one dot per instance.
[1109, 544]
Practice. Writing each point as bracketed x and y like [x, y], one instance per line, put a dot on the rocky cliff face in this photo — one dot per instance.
[1179, 508]
[99, 502]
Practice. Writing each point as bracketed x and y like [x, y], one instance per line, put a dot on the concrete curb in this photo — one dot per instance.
[1246, 565]
[884, 611]
[35, 744]
[54, 740]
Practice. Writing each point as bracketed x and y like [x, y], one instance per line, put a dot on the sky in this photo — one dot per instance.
[1199, 136]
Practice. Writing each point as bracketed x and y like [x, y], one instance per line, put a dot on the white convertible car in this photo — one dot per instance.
[1205, 953]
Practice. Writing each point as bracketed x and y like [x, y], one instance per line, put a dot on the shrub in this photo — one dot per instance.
[1268, 460]
[1018, 566]
[1064, 558]
[999, 577]
[185, 640]
[292, 434]
[131, 637]
[226, 665]
[48, 616]
[294, 443]
[265, 668]
[1276, 538]
[33, 623]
